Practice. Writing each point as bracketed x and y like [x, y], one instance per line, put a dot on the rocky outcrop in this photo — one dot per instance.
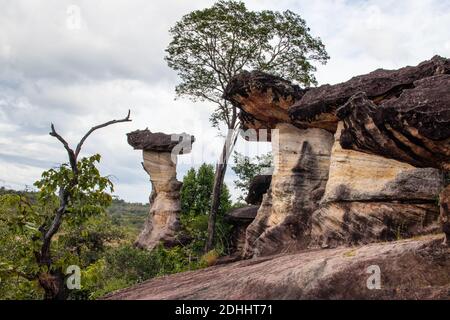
[444, 203]
[389, 198]
[379, 85]
[258, 187]
[409, 269]
[240, 219]
[160, 155]
[263, 98]
[413, 127]
[301, 164]
[369, 198]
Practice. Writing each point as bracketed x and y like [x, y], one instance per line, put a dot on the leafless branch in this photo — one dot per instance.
[72, 156]
[78, 149]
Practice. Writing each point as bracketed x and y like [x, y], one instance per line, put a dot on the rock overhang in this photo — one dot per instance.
[160, 142]
[265, 99]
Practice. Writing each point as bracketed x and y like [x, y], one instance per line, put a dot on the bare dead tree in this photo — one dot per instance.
[53, 283]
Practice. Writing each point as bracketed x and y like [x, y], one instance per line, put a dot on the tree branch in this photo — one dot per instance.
[72, 156]
[80, 144]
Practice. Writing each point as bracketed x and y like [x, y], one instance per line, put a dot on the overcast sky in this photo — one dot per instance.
[53, 69]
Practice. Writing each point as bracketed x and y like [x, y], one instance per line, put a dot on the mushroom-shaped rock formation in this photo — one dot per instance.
[160, 158]
[258, 187]
[367, 197]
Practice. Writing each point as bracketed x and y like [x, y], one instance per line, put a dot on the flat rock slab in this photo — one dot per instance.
[160, 142]
[410, 269]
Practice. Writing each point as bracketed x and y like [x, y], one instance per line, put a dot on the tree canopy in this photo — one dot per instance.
[211, 45]
[196, 192]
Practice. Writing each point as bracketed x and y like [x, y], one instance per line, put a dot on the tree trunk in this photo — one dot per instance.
[53, 285]
[221, 169]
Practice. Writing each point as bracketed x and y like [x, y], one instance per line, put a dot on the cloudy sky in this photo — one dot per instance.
[53, 69]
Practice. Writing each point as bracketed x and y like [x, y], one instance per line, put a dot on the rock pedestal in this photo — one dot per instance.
[159, 162]
[301, 163]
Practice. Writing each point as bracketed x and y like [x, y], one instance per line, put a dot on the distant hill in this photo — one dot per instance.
[125, 214]
[131, 215]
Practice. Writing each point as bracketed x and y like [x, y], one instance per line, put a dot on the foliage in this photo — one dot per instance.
[247, 168]
[102, 244]
[195, 203]
[212, 45]
[25, 222]
[130, 217]
[197, 189]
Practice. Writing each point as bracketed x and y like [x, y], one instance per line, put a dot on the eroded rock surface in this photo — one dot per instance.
[301, 164]
[369, 198]
[240, 219]
[444, 202]
[379, 85]
[258, 187]
[399, 116]
[413, 127]
[159, 162]
[410, 269]
[263, 98]
[359, 176]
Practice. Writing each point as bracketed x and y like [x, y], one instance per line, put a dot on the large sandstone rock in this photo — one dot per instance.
[369, 198]
[266, 100]
[379, 85]
[413, 127]
[409, 269]
[301, 164]
[401, 115]
[159, 162]
[359, 176]
[240, 219]
[354, 223]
